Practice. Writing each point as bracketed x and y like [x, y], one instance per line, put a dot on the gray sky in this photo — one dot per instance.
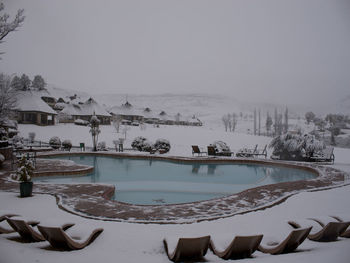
[274, 50]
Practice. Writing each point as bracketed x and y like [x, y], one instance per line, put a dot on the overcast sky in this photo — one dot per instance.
[273, 50]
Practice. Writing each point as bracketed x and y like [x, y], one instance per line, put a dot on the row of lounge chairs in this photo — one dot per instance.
[187, 249]
[194, 249]
[245, 152]
[56, 236]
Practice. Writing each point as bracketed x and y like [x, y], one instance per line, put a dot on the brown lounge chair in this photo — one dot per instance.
[59, 239]
[188, 249]
[328, 233]
[240, 247]
[5, 230]
[196, 150]
[294, 239]
[26, 230]
[346, 232]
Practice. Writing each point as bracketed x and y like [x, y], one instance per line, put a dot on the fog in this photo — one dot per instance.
[292, 52]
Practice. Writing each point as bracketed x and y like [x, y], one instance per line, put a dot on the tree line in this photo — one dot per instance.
[24, 83]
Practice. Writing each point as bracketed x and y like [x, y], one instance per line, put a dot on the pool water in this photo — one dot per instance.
[149, 182]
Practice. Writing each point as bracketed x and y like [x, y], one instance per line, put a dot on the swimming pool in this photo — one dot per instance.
[149, 182]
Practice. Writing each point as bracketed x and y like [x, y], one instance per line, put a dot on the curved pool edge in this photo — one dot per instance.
[93, 200]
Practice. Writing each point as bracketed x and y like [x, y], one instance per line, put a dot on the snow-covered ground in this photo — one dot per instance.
[128, 242]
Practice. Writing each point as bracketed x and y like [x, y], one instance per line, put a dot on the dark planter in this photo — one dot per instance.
[26, 188]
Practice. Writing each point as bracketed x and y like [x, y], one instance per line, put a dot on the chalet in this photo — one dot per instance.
[127, 113]
[31, 109]
[84, 111]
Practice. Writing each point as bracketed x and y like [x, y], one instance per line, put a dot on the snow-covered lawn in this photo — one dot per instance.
[129, 242]
[181, 137]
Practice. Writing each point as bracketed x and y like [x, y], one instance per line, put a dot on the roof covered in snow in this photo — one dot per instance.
[91, 106]
[86, 109]
[27, 101]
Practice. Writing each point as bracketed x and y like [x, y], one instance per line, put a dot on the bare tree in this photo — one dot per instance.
[286, 121]
[8, 26]
[254, 121]
[226, 121]
[230, 121]
[268, 123]
[8, 101]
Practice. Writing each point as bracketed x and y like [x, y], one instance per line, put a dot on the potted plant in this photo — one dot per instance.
[24, 175]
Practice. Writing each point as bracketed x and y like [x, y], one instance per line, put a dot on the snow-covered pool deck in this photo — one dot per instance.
[93, 200]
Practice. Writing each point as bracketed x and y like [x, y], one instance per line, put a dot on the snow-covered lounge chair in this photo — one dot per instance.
[245, 152]
[188, 249]
[328, 233]
[26, 230]
[240, 247]
[346, 232]
[5, 230]
[326, 155]
[196, 150]
[261, 152]
[60, 240]
[291, 243]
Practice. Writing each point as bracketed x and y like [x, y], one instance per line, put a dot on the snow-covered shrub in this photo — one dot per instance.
[101, 146]
[142, 144]
[55, 142]
[25, 170]
[292, 146]
[67, 145]
[162, 144]
[220, 147]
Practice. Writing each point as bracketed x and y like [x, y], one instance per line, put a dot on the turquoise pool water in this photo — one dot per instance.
[163, 182]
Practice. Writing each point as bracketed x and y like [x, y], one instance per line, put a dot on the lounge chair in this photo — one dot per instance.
[326, 155]
[260, 152]
[245, 152]
[240, 247]
[59, 239]
[5, 230]
[343, 232]
[293, 240]
[196, 150]
[328, 233]
[26, 230]
[211, 151]
[188, 249]
[346, 232]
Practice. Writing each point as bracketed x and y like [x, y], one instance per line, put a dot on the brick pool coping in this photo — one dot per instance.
[94, 200]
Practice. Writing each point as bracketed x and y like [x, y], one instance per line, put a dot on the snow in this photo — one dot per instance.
[131, 242]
